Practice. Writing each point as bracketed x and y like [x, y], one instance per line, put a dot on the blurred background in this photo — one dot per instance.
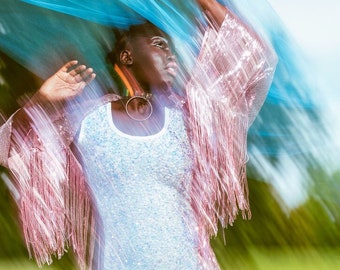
[294, 196]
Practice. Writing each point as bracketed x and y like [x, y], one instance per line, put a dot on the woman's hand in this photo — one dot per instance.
[204, 4]
[65, 84]
[214, 11]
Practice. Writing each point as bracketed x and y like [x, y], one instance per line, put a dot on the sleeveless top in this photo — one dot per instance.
[140, 187]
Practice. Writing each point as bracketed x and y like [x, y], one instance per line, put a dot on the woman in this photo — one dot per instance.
[158, 171]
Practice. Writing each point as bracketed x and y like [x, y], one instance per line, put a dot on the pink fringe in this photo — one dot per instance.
[219, 187]
[81, 226]
[54, 205]
[226, 91]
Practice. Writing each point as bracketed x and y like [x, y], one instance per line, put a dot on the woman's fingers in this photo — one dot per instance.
[87, 72]
[88, 75]
[76, 70]
[69, 65]
[90, 78]
[83, 74]
[79, 73]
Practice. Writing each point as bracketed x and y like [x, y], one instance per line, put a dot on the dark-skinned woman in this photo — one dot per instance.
[150, 173]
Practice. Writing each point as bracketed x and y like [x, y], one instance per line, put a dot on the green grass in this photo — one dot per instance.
[296, 259]
[26, 264]
[255, 258]
[22, 264]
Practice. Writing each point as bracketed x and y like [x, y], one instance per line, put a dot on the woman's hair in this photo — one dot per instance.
[124, 37]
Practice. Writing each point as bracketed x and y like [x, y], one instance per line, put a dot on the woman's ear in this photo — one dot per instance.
[125, 57]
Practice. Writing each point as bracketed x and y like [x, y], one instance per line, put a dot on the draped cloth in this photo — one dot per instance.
[30, 28]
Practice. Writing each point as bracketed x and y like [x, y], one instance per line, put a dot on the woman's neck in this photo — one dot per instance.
[132, 120]
[142, 111]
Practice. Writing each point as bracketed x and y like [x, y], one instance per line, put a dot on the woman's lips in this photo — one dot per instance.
[171, 68]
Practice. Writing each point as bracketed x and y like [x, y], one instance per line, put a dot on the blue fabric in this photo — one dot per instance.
[42, 34]
[42, 40]
[174, 17]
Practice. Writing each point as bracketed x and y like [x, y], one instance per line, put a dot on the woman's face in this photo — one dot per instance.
[153, 63]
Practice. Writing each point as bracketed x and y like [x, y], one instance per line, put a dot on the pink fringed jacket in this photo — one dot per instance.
[225, 92]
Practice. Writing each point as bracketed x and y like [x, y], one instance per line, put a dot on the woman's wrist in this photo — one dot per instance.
[214, 11]
[205, 4]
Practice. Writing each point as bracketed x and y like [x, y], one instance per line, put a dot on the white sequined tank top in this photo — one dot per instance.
[141, 187]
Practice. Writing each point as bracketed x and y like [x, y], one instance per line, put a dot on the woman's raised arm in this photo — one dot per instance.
[214, 11]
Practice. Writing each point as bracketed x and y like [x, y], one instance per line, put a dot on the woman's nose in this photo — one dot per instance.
[171, 57]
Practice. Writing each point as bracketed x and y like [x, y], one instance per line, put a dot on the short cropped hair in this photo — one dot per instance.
[123, 38]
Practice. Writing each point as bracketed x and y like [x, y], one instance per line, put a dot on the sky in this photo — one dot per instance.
[314, 25]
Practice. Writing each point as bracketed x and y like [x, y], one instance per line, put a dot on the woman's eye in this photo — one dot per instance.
[159, 43]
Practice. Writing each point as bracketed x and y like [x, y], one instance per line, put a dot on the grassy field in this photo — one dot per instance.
[308, 259]
[253, 259]
[282, 259]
